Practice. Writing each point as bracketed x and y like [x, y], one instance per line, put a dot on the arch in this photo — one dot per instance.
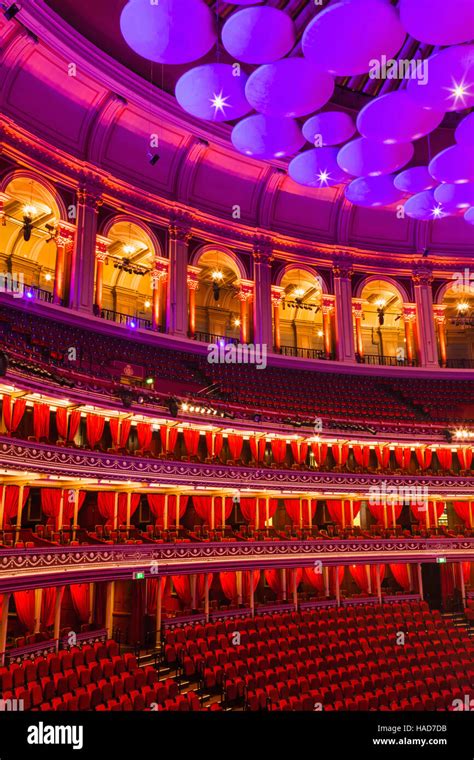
[305, 268]
[11, 176]
[239, 267]
[129, 219]
[404, 297]
[449, 284]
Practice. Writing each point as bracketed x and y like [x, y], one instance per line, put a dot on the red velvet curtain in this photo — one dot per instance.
[74, 421]
[402, 574]
[168, 436]
[122, 507]
[144, 435]
[183, 503]
[213, 517]
[137, 618]
[120, 431]
[320, 452]
[68, 506]
[383, 455]
[229, 584]
[152, 592]
[182, 585]
[235, 443]
[445, 458]
[301, 516]
[359, 573]
[191, 441]
[385, 513]
[340, 452]
[61, 421]
[106, 504]
[316, 580]
[25, 608]
[466, 571]
[13, 412]
[51, 503]
[203, 507]
[10, 507]
[257, 447]
[249, 506]
[299, 450]
[428, 513]
[465, 510]
[403, 456]
[361, 455]
[81, 599]
[278, 446]
[274, 579]
[465, 457]
[41, 413]
[214, 442]
[156, 502]
[94, 429]
[424, 457]
[340, 511]
[47, 605]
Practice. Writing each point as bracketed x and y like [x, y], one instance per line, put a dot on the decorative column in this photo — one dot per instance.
[38, 600]
[238, 580]
[422, 279]
[440, 322]
[244, 294]
[277, 298]
[206, 597]
[19, 511]
[283, 583]
[295, 590]
[82, 269]
[327, 307]
[176, 296]
[193, 285]
[76, 514]
[262, 304]
[109, 608]
[357, 313]
[420, 581]
[158, 275]
[461, 583]
[64, 239]
[4, 626]
[409, 319]
[336, 581]
[193, 584]
[342, 272]
[252, 596]
[158, 613]
[57, 614]
[100, 259]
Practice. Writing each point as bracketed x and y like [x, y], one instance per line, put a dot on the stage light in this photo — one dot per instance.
[153, 158]
[149, 381]
[133, 324]
[29, 294]
[184, 407]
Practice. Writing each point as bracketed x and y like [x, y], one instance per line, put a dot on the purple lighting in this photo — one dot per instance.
[317, 168]
[438, 22]
[455, 165]
[267, 136]
[449, 84]
[363, 157]
[258, 35]
[414, 180]
[328, 128]
[212, 92]
[373, 192]
[396, 118]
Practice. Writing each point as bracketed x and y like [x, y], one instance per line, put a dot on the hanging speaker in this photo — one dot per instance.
[3, 364]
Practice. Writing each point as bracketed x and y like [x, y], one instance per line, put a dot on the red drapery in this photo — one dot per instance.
[317, 581]
[359, 573]
[299, 450]
[182, 585]
[340, 452]
[465, 510]
[81, 599]
[122, 506]
[41, 413]
[47, 606]
[191, 441]
[94, 429]
[278, 446]
[257, 447]
[120, 431]
[62, 420]
[428, 513]
[156, 503]
[274, 579]
[51, 503]
[183, 503]
[424, 457]
[214, 442]
[235, 443]
[361, 455]
[10, 507]
[465, 457]
[403, 456]
[229, 584]
[386, 514]
[447, 580]
[249, 506]
[209, 509]
[137, 618]
[299, 511]
[152, 591]
[168, 436]
[445, 458]
[320, 452]
[383, 455]
[106, 504]
[466, 571]
[402, 574]
[340, 511]
[25, 608]
[68, 507]
[144, 435]
[13, 412]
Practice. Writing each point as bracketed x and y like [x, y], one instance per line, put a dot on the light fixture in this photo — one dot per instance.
[29, 210]
[219, 102]
[462, 307]
[184, 407]
[149, 381]
[298, 292]
[133, 324]
[217, 275]
[437, 211]
[380, 303]
[128, 249]
[147, 304]
[237, 322]
[47, 277]
[320, 333]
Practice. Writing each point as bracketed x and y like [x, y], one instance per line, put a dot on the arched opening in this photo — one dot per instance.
[126, 292]
[456, 319]
[383, 331]
[300, 313]
[222, 301]
[30, 216]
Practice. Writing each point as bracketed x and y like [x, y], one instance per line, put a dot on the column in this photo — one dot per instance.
[19, 511]
[76, 514]
[193, 584]
[422, 279]
[158, 274]
[239, 587]
[64, 239]
[176, 297]
[440, 322]
[357, 314]
[2, 504]
[327, 307]
[409, 318]
[326, 581]
[4, 626]
[129, 509]
[100, 259]
[158, 613]
[244, 295]
[283, 583]
[420, 580]
[262, 305]
[206, 597]
[59, 523]
[461, 583]
[38, 600]
[82, 269]
[109, 608]
[92, 602]
[379, 585]
[252, 596]
[277, 298]
[193, 286]
[295, 590]
[116, 499]
[57, 613]
[338, 593]
[344, 327]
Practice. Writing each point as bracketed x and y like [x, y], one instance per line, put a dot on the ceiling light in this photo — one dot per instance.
[217, 275]
[219, 102]
[237, 323]
[129, 249]
[47, 277]
[320, 333]
[30, 211]
[147, 304]
[462, 307]
[298, 292]
[380, 303]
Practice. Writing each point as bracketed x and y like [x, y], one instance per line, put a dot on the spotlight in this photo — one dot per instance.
[12, 11]
[141, 399]
[153, 158]
[133, 324]
[149, 381]
[29, 294]
[173, 406]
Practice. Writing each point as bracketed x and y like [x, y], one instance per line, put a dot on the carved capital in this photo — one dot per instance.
[64, 236]
[192, 282]
[409, 312]
[422, 274]
[357, 308]
[277, 296]
[342, 267]
[327, 304]
[262, 249]
[439, 314]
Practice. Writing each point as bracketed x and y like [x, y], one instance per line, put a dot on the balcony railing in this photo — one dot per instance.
[38, 294]
[386, 361]
[206, 337]
[126, 319]
[460, 363]
[302, 353]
